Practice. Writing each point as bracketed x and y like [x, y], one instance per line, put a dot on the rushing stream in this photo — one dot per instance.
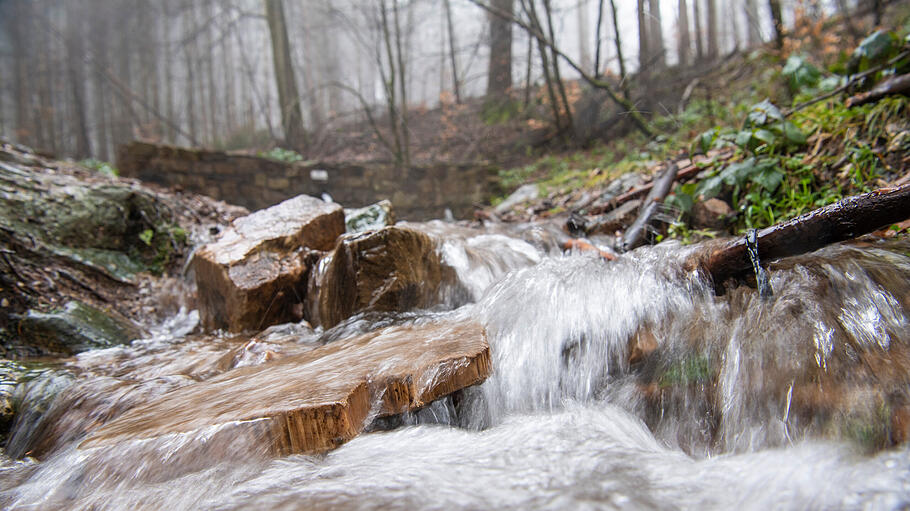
[623, 384]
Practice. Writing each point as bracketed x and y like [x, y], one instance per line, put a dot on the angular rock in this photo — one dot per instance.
[392, 269]
[711, 214]
[316, 401]
[523, 194]
[255, 274]
[76, 328]
[370, 218]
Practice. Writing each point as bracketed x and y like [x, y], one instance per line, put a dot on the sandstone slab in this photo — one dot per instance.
[255, 274]
[315, 401]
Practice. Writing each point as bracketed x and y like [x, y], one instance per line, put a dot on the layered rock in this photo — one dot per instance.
[315, 401]
[255, 274]
[392, 269]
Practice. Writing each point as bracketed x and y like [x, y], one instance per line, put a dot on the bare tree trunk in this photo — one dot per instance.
[389, 81]
[75, 70]
[556, 74]
[450, 28]
[528, 69]
[682, 28]
[288, 97]
[655, 35]
[644, 52]
[17, 26]
[499, 75]
[699, 34]
[531, 12]
[597, 37]
[712, 30]
[100, 94]
[583, 49]
[777, 21]
[753, 24]
[402, 84]
[617, 40]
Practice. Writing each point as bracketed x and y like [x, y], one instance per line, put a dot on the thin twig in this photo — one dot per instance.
[850, 83]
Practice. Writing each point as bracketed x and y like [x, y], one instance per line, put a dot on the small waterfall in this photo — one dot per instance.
[616, 385]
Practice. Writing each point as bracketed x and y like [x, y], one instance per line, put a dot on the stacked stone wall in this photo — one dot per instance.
[421, 193]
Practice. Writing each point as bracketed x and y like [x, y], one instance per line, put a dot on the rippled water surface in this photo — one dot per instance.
[616, 385]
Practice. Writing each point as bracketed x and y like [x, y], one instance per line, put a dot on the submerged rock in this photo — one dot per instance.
[255, 274]
[392, 269]
[76, 328]
[370, 218]
[315, 401]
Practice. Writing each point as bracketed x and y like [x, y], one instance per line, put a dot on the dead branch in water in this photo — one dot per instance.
[843, 220]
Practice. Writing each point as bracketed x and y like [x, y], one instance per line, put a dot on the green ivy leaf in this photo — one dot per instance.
[768, 178]
[146, 236]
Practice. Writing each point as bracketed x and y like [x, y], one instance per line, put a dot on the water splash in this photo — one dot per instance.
[616, 385]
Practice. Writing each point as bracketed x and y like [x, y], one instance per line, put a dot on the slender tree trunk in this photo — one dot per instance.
[450, 28]
[402, 83]
[777, 21]
[712, 30]
[212, 87]
[169, 51]
[699, 34]
[597, 37]
[531, 12]
[644, 52]
[682, 28]
[583, 49]
[75, 70]
[561, 87]
[655, 35]
[288, 97]
[617, 40]
[390, 82]
[100, 94]
[17, 26]
[528, 69]
[753, 24]
[499, 75]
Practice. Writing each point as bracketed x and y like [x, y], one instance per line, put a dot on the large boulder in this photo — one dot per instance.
[392, 269]
[255, 274]
[315, 401]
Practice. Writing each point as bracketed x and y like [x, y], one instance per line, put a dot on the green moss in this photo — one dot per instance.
[75, 328]
[686, 371]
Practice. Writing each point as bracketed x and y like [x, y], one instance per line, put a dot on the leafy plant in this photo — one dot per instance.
[101, 167]
[282, 155]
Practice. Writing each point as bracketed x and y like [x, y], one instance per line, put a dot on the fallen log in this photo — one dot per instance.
[684, 173]
[894, 85]
[316, 401]
[635, 234]
[843, 220]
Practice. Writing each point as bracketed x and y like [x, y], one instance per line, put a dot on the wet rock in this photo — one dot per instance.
[35, 393]
[522, 194]
[316, 401]
[76, 328]
[255, 274]
[10, 375]
[392, 269]
[615, 220]
[370, 218]
[711, 214]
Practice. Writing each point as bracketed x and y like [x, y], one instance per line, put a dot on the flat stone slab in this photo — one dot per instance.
[255, 274]
[316, 401]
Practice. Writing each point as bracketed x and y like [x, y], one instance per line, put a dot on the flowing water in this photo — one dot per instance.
[616, 385]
